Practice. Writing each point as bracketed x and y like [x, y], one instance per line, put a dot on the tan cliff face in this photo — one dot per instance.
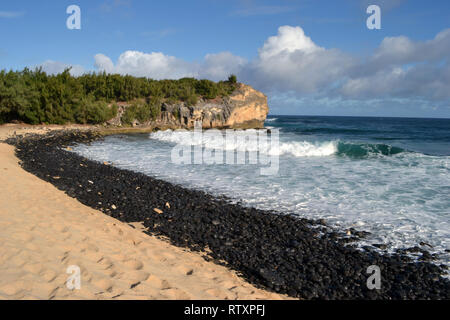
[250, 106]
[244, 108]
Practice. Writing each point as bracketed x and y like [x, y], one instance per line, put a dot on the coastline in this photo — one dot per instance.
[44, 231]
[280, 253]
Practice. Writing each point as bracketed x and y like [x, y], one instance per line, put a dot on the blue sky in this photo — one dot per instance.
[309, 56]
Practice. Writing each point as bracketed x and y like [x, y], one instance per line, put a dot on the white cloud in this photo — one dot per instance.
[398, 68]
[401, 67]
[219, 66]
[55, 67]
[157, 65]
[103, 63]
[290, 62]
[153, 65]
[394, 50]
[289, 40]
[401, 50]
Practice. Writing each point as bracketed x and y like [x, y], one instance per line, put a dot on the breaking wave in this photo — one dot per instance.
[293, 148]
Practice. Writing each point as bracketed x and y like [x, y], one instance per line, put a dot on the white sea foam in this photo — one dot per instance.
[402, 199]
[293, 148]
[308, 149]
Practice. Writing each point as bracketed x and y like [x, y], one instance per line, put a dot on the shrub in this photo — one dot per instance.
[207, 89]
[232, 79]
[155, 108]
[36, 97]
[192, 100]
[90, 111]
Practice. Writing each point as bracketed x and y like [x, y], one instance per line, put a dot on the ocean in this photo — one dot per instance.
[388, 176]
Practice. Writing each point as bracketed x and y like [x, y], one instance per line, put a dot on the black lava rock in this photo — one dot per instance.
[277, 252]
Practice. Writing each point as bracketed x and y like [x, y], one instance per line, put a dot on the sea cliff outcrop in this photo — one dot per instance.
[244, 108]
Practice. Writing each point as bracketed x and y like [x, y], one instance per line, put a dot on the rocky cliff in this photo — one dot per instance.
[244, 108]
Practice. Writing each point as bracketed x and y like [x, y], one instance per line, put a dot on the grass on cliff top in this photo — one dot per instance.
[36, 97]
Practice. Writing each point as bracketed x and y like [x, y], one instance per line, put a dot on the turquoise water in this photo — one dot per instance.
[389, 176]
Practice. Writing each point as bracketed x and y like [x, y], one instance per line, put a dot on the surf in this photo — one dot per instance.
[297, 148]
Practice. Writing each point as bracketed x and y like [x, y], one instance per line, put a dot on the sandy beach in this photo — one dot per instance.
[133, 236]
[44, 231]
[224, 158]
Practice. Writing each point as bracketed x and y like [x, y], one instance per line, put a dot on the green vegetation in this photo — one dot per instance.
[35, 97]
[142, 112]
[232, 79]
[176, 114]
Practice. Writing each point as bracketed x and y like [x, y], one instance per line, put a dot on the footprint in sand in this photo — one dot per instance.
[158, 283]
[118, 257]
[218, 293]
[61, 228]
[105, 263]
[135, 276]
[14, 288]
[20, 260]
[33, 247]
[185, 270]
[104, 284]
[134, 264]
[34, 268]
[47, 290]
[92, 255]
[48, 275]
[88, 246]
[22, 236]
[175, 294]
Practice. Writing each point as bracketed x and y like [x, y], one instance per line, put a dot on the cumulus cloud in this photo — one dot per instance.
[219, 66]
[157, 65]
[401, 67]
[103, 63]
[295, 71]
[290, 61]
[55, 67]
[288, 40]
[401, 50]
[154, 65]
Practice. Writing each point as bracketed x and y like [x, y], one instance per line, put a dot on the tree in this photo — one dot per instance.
[232, 79]
[36, 97]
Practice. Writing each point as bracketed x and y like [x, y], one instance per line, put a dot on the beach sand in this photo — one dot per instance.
[43, 232]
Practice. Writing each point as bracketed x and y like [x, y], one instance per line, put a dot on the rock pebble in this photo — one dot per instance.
[281, 253]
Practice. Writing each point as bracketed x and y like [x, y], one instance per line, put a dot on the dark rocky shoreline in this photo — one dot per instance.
[281, 253]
